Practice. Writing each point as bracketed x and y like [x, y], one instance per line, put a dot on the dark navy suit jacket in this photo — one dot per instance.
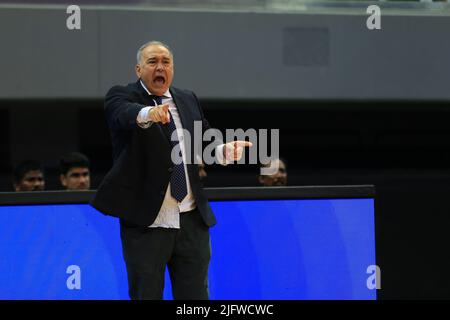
[135, 187]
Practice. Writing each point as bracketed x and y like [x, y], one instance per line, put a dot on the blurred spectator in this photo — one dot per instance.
[28, 176]
[75, 173]
[279, 178]
[202, 172]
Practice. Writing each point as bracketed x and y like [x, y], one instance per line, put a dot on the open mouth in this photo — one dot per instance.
[159, 80]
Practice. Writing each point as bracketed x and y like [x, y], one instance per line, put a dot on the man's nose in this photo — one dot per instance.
[159, 67]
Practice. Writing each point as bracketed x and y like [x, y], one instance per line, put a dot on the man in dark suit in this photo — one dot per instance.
[164, 215]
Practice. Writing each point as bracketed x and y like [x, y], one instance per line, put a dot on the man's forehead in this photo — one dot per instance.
[33, 173]
[155, 50]
[278, 162]
[78, 169]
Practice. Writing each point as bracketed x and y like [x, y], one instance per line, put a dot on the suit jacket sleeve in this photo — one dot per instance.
[120, 111]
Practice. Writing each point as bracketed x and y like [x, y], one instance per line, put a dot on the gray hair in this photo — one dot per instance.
[151, 43]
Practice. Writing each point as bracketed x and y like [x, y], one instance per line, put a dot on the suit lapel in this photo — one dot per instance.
[182, 107]
[187, 121]
[145, 98]
[183, 110]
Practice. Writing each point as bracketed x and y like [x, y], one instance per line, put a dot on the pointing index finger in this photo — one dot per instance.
[241, 143]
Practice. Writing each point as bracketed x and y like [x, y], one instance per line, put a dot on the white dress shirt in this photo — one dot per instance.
[169, 214]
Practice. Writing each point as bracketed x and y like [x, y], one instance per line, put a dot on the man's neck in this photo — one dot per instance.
[165, 95]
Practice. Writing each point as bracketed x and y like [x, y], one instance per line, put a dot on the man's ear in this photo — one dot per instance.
[261, 179]
[137, 69]
[62, 178]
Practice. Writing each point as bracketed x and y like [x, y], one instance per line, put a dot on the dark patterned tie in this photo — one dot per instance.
[178, 186]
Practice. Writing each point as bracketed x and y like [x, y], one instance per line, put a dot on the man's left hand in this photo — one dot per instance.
[232, 151]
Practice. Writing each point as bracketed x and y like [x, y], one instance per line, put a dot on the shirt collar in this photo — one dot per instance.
[165, 95]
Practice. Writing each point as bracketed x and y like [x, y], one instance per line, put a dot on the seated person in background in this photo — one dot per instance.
[202, 172]
[277, 179]
[28, 176]
[75, 174]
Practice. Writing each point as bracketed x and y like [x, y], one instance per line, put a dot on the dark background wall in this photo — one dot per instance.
[294, 55]
[353, 106]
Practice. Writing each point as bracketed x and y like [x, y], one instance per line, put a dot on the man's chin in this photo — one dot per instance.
[159, 90]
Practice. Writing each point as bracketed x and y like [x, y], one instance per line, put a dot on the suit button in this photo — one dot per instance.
[170, 170]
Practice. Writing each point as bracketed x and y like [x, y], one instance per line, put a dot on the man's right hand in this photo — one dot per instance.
[160, 114]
